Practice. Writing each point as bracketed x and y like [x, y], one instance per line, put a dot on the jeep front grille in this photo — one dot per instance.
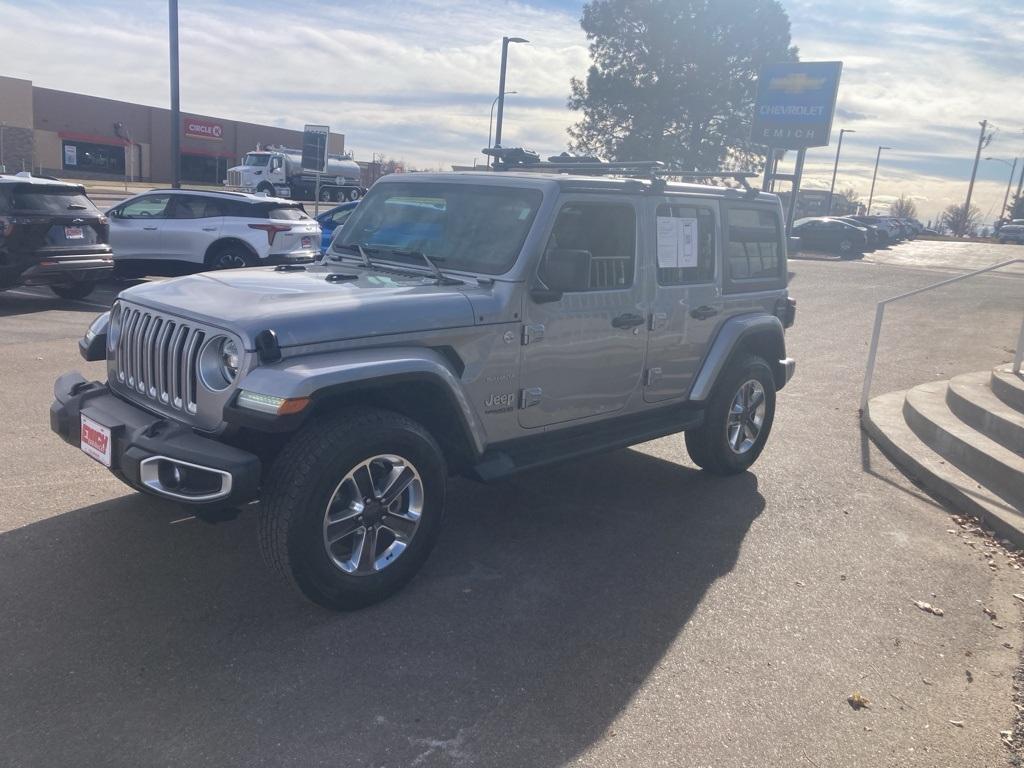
[157, 357]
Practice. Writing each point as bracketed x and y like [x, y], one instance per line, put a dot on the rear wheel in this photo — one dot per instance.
[353, 195]
[76, 290]
[737, 420]
[326, 195]
[353, 506]
[229, 256]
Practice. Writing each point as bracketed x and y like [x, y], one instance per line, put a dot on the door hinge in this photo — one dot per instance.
[533, 333]
[529, 397]
[653, 374]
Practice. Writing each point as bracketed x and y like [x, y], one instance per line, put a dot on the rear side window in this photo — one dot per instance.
[289, 213]
[694, 244]
[196, 207]
[753, 249]
[42, 199]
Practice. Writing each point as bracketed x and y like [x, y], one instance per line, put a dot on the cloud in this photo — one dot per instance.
[415, 79]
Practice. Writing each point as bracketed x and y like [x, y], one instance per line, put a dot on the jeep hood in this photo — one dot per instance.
[306, 307]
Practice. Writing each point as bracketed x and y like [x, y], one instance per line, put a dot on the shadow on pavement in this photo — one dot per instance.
[130, 639]
[12, 304]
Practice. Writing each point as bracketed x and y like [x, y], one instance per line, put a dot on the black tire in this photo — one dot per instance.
[266, 189]
[229, 256]
[326, 195]
[305, 478]
[846, 249]
[353, 195]
[708, 445]
[76, 290]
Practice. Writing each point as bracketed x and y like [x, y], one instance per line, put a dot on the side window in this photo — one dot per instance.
[694, 240]
[188, 207]
[605, 233]
[150, 206]
[753, 247]
[339, 217]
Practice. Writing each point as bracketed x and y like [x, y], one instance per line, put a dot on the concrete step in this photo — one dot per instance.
[989, 463]
[885, 423]
[971, 398]
[1009, 387]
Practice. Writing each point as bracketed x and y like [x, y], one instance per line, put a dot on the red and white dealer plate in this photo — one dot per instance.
[96, 440]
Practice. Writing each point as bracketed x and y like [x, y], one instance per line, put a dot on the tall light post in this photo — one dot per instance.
[490, 124]
[1013, 170]
[172, 23]
[501, 85]
[984, 139]
[835, 167]
[871, 196]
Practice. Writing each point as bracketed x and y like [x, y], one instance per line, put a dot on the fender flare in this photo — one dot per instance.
[331, 373]
[730, 336]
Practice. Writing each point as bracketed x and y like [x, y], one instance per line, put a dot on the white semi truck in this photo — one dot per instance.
[278, 171]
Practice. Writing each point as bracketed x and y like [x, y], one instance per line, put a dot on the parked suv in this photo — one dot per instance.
[462, 323]
[174, 231]
[1012, 232]
[51, 234]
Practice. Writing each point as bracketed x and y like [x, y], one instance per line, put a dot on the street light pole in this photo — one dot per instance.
[172, 12]
[835, 168]
[501, 86]
[871, 196]
[490, 124]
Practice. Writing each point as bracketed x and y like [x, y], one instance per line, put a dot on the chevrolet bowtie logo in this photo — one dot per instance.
[796, 83]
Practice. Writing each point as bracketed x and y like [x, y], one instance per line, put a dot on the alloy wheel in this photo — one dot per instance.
[373, 515]
[746, 416]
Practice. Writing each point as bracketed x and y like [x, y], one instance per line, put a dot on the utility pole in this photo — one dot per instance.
[1020, 181]
[874, 175]
[835, 168]
[983, 142]
[172, 12]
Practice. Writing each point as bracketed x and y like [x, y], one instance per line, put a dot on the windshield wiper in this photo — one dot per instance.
[441, 276]
[359, 249]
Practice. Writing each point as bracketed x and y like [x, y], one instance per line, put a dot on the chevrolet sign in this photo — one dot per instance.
[795, 103]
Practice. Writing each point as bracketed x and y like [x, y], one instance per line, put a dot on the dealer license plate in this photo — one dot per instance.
[73, 233]
[96, 440]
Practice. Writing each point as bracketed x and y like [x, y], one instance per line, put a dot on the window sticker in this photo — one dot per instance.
[677, 242]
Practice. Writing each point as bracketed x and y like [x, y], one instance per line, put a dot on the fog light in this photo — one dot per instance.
[171, 475]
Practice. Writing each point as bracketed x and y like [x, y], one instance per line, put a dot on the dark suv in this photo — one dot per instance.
[51, 234]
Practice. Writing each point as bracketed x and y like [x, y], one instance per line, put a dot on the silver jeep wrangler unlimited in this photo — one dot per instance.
[474, 323]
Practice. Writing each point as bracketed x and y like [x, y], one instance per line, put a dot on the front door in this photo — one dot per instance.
[135, 229]
[584, 354]
[686, 309]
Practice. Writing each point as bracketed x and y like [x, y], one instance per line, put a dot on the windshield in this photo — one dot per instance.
[469, 227]
[44, 199]
[258, 160]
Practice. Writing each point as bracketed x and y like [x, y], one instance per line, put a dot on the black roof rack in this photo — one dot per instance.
[519, 159]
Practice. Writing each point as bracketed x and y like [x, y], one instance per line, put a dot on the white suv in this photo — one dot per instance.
[170, 231]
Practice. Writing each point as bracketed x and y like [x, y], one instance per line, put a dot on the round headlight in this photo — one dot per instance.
[229, 359]
[219, 363]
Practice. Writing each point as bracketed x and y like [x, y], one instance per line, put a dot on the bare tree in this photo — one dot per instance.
[903, 207]
[960, 220]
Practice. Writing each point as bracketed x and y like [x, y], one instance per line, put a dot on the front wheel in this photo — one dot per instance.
[77, 290]
[353, 506]
[737, 420]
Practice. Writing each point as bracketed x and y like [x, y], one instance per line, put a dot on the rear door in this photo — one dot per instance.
[193, 224]
[584, 354]
[135, 227]
[686, 308]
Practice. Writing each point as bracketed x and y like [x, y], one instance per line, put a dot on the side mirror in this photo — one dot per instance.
[114, 213]
[563, 271]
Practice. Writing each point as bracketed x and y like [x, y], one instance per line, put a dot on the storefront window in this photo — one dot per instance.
[93, 158]
[204, 169]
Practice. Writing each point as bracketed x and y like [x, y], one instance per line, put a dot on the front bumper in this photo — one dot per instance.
[146, 448]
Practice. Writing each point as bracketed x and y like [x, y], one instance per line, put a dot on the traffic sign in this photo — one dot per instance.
[795, 104]
[314, 148]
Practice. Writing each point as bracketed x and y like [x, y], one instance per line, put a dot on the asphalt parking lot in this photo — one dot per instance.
[621, 610]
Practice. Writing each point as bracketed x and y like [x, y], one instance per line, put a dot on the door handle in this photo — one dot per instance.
[703, 313]
[209, 229]
[627, 320]
[149, 228]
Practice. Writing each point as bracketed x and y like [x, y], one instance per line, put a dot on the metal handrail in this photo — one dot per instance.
[880, 312]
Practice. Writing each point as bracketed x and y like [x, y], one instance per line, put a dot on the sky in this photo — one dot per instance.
[415, 79]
